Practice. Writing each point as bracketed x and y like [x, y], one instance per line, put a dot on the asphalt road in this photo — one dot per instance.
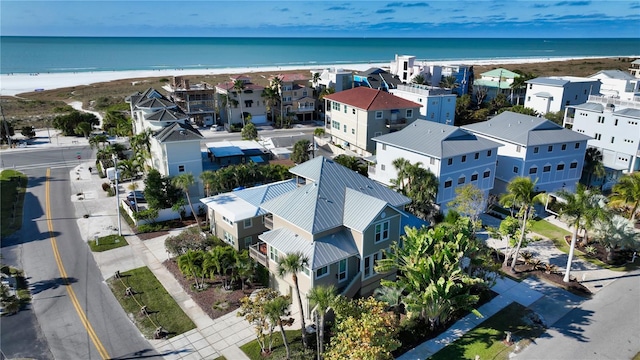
[604, 327]
[59, 310]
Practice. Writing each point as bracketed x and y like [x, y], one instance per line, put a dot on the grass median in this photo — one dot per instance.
[108, 242]
[13, 185]
[147, 290]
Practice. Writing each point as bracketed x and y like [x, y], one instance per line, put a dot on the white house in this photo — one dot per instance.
[336, 78]
[613, 126]
[534, 147]
[150, 110]
[456, 157]
[634, 68]
[554, 93]
[438, 105]
[618, 84]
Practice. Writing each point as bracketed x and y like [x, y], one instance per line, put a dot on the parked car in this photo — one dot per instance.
[136, 196]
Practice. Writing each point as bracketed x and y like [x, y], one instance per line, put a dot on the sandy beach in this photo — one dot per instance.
[17, 83]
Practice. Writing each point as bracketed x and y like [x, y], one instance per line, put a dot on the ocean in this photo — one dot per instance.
[88, 54]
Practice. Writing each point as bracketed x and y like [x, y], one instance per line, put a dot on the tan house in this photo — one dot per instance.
[297, 97]
[232, 104]
[340, 220]
[237, 218]
[355, 116]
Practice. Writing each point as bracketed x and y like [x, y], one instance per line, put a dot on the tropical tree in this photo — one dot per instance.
[292, 264]
[353, 163]
[627, 192]
[402, 169]
[159, 191]
[221, 261]
[300, 152]
[129, 168]
[592, 165]
[470, 201]
[98, 141]
[244, 267]
[276, 82]
[239, 86]
[208, 178]
[28, 132]
[315, 79]
[184, 182]
[321, 297]
[83, 128]
[521, 194]
[509, 231]
[271, 97]
[275, 310]
[418, 79]
[617, 233]
[520, 83]
[419, 184]
[319, 132]
[191, 265]
[249, 132]
[582, 210]
[392, 296]
[253, 310]
[6, 130]
[133, 187]
[449, 82]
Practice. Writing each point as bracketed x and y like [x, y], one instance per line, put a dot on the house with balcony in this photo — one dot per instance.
[613, 127]
[357, 115]
[233, 104]
[618, 84]
[455, 156]
[151, 110]
[336, 78]
[634, 68]
[555, 93]
[438, 105]
[237, 217]
[535, 147]
[463, 75]
[498, 81]
[340, 220]
[297, 97]
[195, 100]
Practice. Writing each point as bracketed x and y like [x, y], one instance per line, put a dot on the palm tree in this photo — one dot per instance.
[184, 182]
[449, 82]
[322, 298]
[98, 141]
[191, 263]
[275, 309]
[239, 87]
[582, 209]
[521, 193]
[270, 95]
[133, 187]
[418, 79]
[208, 178]
[316, 79]
[627, 192]
[592, 165]
[293, 264]
[277, 84]
[401, 165]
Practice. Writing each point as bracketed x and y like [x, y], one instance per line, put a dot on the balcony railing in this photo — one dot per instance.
[568, 120]
[257, 254]
[268, 221]
[395, 123]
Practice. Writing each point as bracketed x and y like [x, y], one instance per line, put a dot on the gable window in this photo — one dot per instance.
[181, 168]
[378, 114]
[382, 167]
[432, 161]
[547, 168]
[486, 174]
[322, 272]
[342, 270]
[409, 113]
[382, 231]
[533, 170]
[448, 183]
[461, 180]
[573, 165]
[273, 253]
[248, 223]
[560, 167]
[227, 220]
[550, 148]
[464, 158]
[474, 177]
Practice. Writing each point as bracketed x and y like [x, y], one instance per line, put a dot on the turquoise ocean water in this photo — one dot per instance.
[79, 54]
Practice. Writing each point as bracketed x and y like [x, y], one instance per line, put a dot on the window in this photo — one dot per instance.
[518, 148]
[378, 114]
[353, 111]
[335, 106]
[528, 98]
[382, 167]
[382, 231]
[345, 109]
[550, 148]
[613, 138]
[464, 158]
[342, 270]
[533, 170]
[476, 156]
[409, 113]
[227, 220]
[515, 169]
[180, 168]
[335, 124]
[615, 123]
[353, 131]
[247, 241]
[489, 153]
[377, 133]
[474, 177]
[546, 168]
[369, 263]
[564, 147]
[560, 167]
[449, 161]
[322, 272]
[461, 180]
[598, 136]
[577, 146]
[248, 223]
[273, 253]
[600, 119]
[384, 146]
[447, 184]
[229, 238]
[486, 174]
[344, 128]
[432, 161]
[306, 271]
[573, 165]
[535, 150]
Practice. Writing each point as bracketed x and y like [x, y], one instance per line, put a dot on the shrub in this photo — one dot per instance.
[106, 186]
[189, 239]
[590, 250]
[147, 228]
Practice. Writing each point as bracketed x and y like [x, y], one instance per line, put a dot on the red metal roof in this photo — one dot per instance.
[371, 99]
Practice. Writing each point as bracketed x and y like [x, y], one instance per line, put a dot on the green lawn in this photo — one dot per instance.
[12, 189]
[486, 340]
[107, 243]
[164, 311]
[294, 337]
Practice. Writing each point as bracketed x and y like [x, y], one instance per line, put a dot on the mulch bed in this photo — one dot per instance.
[174, 224]
[554, 278]
[214, 300]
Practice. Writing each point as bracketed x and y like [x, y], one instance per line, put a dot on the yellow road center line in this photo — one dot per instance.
[63, 274]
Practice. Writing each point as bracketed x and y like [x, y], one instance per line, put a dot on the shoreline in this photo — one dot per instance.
[18, 83]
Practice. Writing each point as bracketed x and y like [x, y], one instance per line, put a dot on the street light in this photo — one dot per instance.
[117, 175]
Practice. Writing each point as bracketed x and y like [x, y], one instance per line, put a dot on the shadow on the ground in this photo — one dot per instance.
[44, 285]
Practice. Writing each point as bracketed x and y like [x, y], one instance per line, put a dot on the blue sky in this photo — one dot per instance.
[444, 18]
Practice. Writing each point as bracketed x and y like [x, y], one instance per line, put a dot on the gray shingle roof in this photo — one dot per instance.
[320, 204]
[436, 140]
[525, 130]
[321, 252]
[177, 132]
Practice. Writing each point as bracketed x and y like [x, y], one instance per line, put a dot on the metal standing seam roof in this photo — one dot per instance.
[178, 132]
[614, 74]
[167, 115]
[321, 252]
[635, 113]
[360, 209]
[589, 106]
[436, 140]
[525, 130]
[492, 83]
[320, 205]
[500, 72]
[245, 204]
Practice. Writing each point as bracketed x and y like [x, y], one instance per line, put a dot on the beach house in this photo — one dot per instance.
[634, 68]
[355, 116]
[376, 78]
[535, 147]
[498, 81]
[618, 84]
[455, 156]
[297, 97]
[554, 93]
[340, 221]
[336, 78]
[195, 100]
[613, 127]
[235, 104]
[438, 105]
